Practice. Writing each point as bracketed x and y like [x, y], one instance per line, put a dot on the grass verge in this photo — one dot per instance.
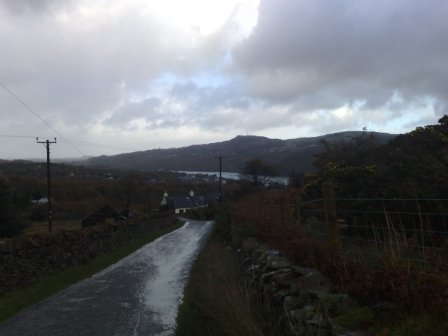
[217, 299]
[41, 227]
[11, 303]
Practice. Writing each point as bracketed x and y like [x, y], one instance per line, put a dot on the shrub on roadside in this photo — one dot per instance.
[10, 223]
[217, 300]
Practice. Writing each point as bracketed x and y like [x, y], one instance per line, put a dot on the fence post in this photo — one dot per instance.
[297, 212]
[331, 216]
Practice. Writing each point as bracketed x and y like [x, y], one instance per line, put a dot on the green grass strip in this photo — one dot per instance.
[217, 299]
[11, 303]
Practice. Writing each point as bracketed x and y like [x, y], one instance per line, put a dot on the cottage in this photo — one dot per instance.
[184, 203]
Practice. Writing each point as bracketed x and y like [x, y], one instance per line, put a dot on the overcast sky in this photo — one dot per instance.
[144, 74]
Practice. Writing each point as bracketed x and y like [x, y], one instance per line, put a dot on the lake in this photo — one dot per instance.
[232, 176]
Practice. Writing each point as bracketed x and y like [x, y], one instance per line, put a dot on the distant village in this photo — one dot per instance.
[181, 204]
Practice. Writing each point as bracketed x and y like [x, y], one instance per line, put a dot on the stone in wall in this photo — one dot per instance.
[303, 298]
[23, 260]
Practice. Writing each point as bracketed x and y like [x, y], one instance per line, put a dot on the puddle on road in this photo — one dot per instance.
[172, 256]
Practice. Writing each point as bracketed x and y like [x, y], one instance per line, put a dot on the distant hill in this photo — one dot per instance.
[285, 155]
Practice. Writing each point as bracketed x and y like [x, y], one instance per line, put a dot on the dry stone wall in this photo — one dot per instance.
[24, 260]
[302, 299]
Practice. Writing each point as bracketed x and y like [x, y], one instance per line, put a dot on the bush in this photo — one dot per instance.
[222, 223]
[39, 212]
[13, 227]
[10, 224]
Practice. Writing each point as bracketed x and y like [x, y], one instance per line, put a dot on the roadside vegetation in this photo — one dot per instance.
[217, 299]
[11, 303]
[388, 248]
[400, 187]
[404, 299]
[382, 237]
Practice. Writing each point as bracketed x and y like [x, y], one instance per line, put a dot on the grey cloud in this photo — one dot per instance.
[20, 7]
[304, 59]
[184, 90]
[207, 98]
[75, 65]
[354, 50]
[148, 109]
[187, 104]
[74, 73]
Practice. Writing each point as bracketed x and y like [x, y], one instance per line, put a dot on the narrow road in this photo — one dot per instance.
[139, 295]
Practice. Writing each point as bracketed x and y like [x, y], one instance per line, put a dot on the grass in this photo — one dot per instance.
[420, 324]
[217, 300]
[358, 318]
[11, 303]
[41, 227]
[380, 272]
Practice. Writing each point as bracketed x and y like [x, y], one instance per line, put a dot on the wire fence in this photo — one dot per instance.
[413, 232]
[379, 250]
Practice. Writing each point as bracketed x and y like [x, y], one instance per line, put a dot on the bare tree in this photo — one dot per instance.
[127, 186]
[258, 172]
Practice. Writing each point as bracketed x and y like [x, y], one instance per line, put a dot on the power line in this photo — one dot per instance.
[17, 136]
[67, 140]
[38, 116]
[96, 144]
[76, 141]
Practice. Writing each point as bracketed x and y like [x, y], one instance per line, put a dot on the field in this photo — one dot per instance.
[58, 225]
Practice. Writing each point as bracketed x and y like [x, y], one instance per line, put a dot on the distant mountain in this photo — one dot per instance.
[285, 155]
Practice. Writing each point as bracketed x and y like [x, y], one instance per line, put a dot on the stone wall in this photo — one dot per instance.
[23, 260]
[302, 299]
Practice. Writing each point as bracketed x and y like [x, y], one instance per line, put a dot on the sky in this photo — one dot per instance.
[114, 76]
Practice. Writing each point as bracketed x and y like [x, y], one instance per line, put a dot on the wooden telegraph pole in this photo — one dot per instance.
[50, 209]
[220, 177]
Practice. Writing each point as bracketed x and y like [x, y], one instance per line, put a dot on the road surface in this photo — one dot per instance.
[139, 295]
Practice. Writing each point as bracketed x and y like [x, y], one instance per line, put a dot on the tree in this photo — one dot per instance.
[295, 180]
[258, 172]
[5, 197]
[127, 187]
[355, 151]
[410, 165]
[9, 223]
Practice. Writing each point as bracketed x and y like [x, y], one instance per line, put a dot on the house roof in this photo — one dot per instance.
[189, 202]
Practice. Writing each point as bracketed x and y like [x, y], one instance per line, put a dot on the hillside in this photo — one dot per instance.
[285, 155]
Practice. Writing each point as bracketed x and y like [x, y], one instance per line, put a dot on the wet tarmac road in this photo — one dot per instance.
[138, 296]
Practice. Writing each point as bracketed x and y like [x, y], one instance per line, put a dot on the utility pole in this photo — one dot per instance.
[50, 209]
[220, 177]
